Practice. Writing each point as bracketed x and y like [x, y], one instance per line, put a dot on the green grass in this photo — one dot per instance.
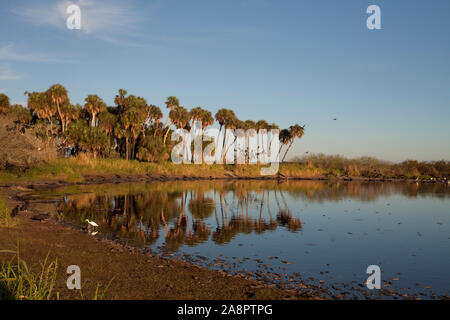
[18, 282]
[74, 170]
[314, 166]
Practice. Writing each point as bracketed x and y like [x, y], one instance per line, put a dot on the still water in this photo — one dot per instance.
[296, 233]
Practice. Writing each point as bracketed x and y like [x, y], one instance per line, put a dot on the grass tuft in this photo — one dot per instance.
[18, 282]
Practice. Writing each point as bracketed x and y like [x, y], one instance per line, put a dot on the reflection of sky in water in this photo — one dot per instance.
[343, 230]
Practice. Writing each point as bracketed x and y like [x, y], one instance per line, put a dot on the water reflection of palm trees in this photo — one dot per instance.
[178, 213]
[284, 216]
[183, 217]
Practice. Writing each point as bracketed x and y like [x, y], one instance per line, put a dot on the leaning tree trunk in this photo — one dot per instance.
[287, 150]
[167, 133]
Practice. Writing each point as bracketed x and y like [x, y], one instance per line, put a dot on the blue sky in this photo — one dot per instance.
[284, 61]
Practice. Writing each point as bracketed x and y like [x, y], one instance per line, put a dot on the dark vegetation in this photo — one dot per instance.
[373, 168]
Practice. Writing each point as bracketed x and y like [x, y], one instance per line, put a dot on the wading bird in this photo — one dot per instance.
[92, 223]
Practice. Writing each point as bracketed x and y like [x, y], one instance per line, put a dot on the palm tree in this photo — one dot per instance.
[69, 113]
[196, 115]
[249, 125]
[227, 119]
[172, 103]
[178, 117]
[261, 125]
[295, 131]
[58, 95]
[119, 100]
[39, 104]
[285, 137]
[220, 117]
[107, 121]
[236, 124]
[273, 126]
[155, 117]
[134, 119]
[94, 105]
[207, 120]
[231, 122]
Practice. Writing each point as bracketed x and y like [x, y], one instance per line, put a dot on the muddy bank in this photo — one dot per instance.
[135, 274]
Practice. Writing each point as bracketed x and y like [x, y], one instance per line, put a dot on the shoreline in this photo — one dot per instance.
[228, 176]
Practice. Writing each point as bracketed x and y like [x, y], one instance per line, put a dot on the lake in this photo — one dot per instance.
[308, 235]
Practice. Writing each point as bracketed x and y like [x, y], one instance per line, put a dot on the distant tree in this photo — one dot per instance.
[75, 133]
[69, 113]
[225, 118]
[95, 141]
[155, 117]
[272, 126]
[152, 149]
[4, 103]
[179, 117]
[94, 105]
[207, 120]
[221, 117]
[39, 104]
[86, 138]
[285, 137]
[196, 115]
[231, 122]
[133, 116]
[58, 96]
[107, 121]
[295, 131]
[119, 100]
[172, 103]
[20, 115]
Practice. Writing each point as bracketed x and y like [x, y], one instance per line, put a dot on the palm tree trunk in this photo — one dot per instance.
[225, 142]
[279, 151]
[60, 116]
[93, 120]
[235, 138]
[217, 141]
[167, 133]
[288, 150]
[167, 120]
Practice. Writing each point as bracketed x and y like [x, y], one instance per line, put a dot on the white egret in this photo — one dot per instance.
[92, 223]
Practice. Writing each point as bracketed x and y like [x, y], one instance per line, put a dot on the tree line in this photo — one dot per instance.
[132, 129]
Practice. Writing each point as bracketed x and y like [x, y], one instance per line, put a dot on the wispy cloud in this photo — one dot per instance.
[102, 19]
[10, 52]
[6, 73]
